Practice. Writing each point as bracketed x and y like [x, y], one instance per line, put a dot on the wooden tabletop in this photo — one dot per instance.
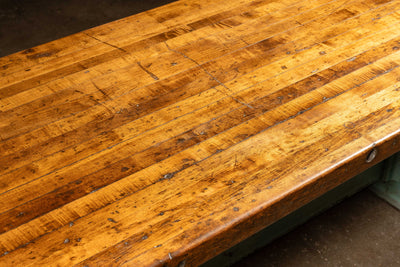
[169, 136]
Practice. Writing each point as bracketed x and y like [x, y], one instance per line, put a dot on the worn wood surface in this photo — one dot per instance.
[168, 136]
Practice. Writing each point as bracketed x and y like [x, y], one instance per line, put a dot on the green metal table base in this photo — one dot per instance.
[388, 188]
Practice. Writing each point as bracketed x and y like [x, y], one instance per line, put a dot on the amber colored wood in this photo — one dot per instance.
[166, 137]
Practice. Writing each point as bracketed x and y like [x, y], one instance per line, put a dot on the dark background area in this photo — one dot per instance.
[361, 231]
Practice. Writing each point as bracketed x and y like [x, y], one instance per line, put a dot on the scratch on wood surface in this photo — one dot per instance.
[101, 91]
[104, 42]
[148, 72]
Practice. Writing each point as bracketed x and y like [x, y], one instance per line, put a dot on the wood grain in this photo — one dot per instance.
[167, 137]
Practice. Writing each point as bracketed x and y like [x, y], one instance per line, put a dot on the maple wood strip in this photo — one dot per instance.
[228, 26]
[312, 67]
[32, 56]
[320, 66]
[180, 12]
[277, 47]
[215, 24]
[82, 67]
[340, 9]
[278, 24]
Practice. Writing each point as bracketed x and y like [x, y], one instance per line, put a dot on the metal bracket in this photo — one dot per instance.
[388, 187]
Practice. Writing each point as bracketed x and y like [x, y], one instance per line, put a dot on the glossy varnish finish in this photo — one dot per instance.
[171, 135]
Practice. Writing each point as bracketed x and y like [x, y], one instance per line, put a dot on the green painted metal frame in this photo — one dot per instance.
[390, 186]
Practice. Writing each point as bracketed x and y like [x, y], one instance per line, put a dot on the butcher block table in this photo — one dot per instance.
[167, 137]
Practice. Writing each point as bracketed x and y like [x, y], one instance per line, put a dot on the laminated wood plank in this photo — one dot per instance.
[169, 136]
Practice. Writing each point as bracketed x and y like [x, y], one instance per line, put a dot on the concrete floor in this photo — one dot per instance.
[361, 231]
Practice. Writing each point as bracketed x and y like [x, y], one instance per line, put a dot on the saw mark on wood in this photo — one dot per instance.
[152, 75]
[106, 43]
